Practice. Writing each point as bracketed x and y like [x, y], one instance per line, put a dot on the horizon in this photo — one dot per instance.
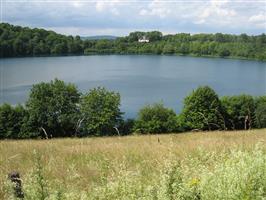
[120, 17]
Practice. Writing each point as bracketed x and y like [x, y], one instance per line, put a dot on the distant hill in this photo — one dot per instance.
[99, 37]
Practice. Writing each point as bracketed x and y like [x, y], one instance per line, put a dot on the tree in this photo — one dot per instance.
[23, 41]
[12, 121]
[223, 51]
[154, 36]
[240, 110]
[100, 111]
[126, 127]
[219, 37]
[202, 110]
[184, 48]
[168, 49]
[134, 36]
[260, 112]
[156, 119]
[53, 108]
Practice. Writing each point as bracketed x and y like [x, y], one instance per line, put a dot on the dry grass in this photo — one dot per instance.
[84, 163]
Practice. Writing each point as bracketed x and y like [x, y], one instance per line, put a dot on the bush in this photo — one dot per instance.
[203, 110]
[100, 111]
[156, 119]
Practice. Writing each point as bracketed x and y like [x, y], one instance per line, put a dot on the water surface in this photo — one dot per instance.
[140, 79]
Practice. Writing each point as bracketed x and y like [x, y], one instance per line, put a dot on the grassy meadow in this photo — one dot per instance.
[202, 165]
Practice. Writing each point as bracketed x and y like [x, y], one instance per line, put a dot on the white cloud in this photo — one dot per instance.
[218, 11]
[100, 6]
[83, 16]
[109, 6]
[77, 4]
[258, 18]
[157, 8]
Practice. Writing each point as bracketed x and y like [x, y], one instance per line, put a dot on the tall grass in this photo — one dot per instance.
[212, 165]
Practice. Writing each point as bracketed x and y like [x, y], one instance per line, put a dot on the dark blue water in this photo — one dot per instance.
[139, 79]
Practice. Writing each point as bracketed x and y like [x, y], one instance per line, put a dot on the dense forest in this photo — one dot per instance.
[58, 109]
[23, 41]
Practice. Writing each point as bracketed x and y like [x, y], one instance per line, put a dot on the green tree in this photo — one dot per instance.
[126, 127]
[168, 49]
[156, 119]
[260, 112]
[223, 51]
[202, 110]
[184, 48]
[240, 110]
[100, 112]
[11, 121]
[154, 36]
[134, 36]
[23, 41]
[53, 108]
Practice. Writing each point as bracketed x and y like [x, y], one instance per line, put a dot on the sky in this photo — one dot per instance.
[120, 17]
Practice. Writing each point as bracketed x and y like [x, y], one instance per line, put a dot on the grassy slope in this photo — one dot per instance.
[83, 164]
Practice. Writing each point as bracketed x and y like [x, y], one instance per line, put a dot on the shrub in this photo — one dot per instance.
[156, 119]
[202, 110]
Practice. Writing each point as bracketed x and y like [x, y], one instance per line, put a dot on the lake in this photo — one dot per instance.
[140, 79]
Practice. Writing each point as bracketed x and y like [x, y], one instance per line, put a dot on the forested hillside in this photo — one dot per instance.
[23, 41]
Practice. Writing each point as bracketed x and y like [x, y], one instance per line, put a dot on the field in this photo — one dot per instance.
[203, 165]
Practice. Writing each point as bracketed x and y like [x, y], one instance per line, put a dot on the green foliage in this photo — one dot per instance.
[126, 126]
[156, 119]
[100, 111]
[242, 176]
[12, 121]
[240, 111]
[260, 112]
[202, 110]
[154, 36]
[237, 175]
[19, 41]
[53, 108]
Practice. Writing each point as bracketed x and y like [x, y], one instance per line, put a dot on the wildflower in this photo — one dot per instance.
[194, 182]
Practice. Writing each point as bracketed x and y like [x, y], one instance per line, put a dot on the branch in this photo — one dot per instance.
[46, 135]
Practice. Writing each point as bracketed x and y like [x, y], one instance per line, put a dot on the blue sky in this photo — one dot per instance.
[119, 17]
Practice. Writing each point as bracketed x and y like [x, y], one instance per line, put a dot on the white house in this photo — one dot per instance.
[144, 39]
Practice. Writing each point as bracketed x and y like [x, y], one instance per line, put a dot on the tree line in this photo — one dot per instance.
[23, 41]
[58, 109]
